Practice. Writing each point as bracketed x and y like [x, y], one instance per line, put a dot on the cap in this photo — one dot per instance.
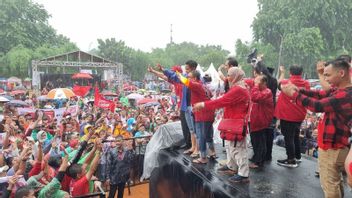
[176, 68]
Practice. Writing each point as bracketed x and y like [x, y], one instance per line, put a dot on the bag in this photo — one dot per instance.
[232, 129]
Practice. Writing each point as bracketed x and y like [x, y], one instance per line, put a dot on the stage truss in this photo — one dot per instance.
[82, 59]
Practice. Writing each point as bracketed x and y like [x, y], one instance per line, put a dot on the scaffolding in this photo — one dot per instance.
[79, 60]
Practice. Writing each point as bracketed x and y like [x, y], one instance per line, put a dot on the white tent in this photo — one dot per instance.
[216, 83]
[213, 73]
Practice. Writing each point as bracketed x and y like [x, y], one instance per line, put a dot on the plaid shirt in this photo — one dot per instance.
[337, 106]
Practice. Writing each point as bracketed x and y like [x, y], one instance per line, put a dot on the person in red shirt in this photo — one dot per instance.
[204, 118]
[80, 184]
[335, 129]
[261, 117]
[291, 116]
[236, 106]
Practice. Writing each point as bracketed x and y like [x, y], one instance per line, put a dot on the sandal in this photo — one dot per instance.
[198, 161]
[189, 151]
[194, 155]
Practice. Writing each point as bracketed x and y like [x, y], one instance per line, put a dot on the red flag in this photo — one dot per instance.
[81, 90]
[101, 102]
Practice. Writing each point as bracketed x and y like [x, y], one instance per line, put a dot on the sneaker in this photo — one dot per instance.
[238, 179]
[316, 173]
[287, 163]
[298, 160]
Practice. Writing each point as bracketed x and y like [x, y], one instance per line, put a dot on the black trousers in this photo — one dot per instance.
[120, 187]
[259, 146]
[290, 131]
[185, 130]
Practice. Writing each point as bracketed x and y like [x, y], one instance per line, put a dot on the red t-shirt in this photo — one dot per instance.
[198, 94]
[80, 187]
[65, 183]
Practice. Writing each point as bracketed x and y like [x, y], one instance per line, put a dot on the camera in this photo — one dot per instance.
[252, 57]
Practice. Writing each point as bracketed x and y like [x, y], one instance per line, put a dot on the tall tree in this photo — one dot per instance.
[25, 23]
[306, 31]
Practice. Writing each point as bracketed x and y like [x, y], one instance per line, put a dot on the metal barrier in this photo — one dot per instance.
[134, 169]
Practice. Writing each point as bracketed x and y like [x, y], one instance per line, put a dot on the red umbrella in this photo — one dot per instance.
[82, 76]
[146, 100]
[109, 93]
[18, 92]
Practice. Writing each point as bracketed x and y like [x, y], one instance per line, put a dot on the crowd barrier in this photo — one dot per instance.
[135, 174]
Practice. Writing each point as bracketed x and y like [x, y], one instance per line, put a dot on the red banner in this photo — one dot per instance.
[101, 102]
[81, 90]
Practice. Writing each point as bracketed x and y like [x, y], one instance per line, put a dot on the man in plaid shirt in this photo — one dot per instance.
[334, 130]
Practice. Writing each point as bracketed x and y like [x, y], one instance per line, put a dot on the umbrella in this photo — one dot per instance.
[135, 96]
[16, 92]
[3, 99]
[60, 93]
[17, 103]
[8, 97]
[109, 93]
[14, 80]
[82, 76]
[42, 98]
[165, 91]
[19, 88]
[146, 100]
[149, 104]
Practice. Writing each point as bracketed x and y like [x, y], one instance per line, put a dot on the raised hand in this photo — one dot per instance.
[289, 89]
[320, 67]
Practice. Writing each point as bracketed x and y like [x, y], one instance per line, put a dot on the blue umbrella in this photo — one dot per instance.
[8, 97]
[149, 104]
[17, 103]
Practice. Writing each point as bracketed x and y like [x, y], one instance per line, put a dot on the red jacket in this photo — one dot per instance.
[235, 103]
[286, 107]
[262, 109]
[198, 95]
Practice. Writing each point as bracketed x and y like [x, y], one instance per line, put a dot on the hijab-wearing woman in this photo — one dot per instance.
[236, 105]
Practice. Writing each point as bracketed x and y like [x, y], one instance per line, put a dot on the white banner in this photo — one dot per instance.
[58, 113]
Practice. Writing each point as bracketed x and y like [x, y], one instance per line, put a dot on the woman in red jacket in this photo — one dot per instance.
[203, 118]
[261, 117]
[236, 104]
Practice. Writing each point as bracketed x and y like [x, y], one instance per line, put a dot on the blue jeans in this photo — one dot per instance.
[189, 119]
[204, 133]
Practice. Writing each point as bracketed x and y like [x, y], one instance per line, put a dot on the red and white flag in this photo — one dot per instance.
[101, 102]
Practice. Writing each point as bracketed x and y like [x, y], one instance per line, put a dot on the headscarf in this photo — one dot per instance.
[238, 75]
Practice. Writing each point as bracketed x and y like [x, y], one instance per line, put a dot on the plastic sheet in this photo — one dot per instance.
[167, 136]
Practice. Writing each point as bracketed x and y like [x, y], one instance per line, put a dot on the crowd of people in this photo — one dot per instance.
[43, 157]
[96, 148]
[251, 106]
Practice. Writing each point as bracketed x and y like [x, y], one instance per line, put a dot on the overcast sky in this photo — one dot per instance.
[145, 24]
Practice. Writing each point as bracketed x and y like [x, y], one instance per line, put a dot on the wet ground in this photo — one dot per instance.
[196, 180]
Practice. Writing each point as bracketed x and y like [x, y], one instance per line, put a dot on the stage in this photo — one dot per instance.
[178, 177]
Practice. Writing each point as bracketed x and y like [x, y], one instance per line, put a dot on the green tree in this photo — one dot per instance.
[304, 32]
[25, 23]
